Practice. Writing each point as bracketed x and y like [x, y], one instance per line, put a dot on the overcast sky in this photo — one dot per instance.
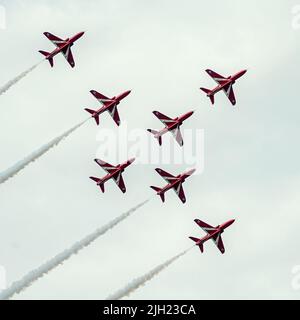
[159, 50]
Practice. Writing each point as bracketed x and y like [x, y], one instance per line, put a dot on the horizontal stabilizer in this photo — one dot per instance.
[208, 92]
[99, 182]
[194, 239]
[89, 111]
[200, 244]
[101, 185]
[46, 54]
[158, 190]
[94, 115]
[154, 132]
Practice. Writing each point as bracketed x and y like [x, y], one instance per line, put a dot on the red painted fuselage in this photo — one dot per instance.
[65, 44]
[117, 170]
[230, 80]
[171, 125]
[62, 46]
[114, 102]
[108, 104]
[113, 172]
[174, 182]
[223, 84]
[212, 233]
[219, 229]
[177, 122]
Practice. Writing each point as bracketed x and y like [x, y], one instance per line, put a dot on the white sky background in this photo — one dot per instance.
[160, 50]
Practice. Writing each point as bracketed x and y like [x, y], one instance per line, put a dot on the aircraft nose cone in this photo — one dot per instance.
[77, 36]
[191, 172]
[124, 94]
[230, 222]
[130, 160]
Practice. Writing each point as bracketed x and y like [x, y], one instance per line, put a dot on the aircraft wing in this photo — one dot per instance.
[219, 242]
[120, 182]
[54, 39]
[69, 56]
[228, 90]
[100, 97]
[113, 111]
[205, 227]
[177, 135]
[217, 77]
[106, 166]
[167, 176]
[164, 119]
[179, 191]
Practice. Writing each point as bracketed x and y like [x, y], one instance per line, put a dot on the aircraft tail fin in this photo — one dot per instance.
[158, 190]
[198, 243]
[99, 182]
[94, 115]
[208, 92]
[46, 54]
[154, 132]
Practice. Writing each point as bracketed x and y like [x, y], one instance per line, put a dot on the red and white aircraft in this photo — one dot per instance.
[213, 233]
[113, 172]
[224, 84]
[174, 183]
[108, 104]
[63, 46]
[171, 125]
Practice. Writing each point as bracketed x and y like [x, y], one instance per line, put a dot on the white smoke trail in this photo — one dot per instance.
[11, 171]
[17, 78]
[141, 281]
[32, 276]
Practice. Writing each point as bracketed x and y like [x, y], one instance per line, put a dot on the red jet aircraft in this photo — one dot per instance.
[113, 172]
[172, 125]
[224, 84]
[213, 233]
[108, 104]
[174, 183]
[63, 46]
